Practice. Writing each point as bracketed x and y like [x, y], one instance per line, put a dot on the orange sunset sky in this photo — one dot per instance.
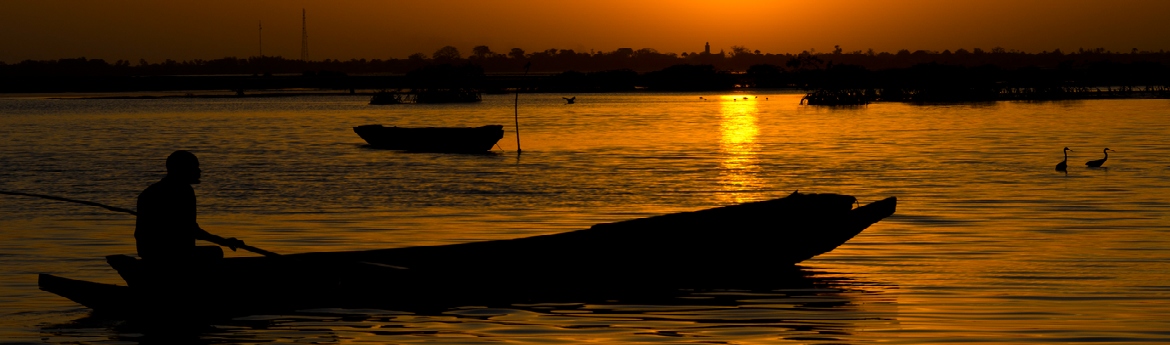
[383, 29]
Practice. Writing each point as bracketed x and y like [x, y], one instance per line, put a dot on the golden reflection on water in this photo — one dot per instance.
[989, 243]
[737, 141]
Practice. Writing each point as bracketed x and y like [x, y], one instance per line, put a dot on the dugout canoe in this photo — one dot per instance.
[432, 139]
[781, 231]
[745, 239]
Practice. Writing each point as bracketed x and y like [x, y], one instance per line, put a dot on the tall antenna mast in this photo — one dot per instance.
[304, 38]
[260, 32]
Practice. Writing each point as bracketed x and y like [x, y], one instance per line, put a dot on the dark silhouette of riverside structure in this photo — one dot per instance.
[1063, 165]
[446, 84]
[689, 78]
[836, 97]
[1099, 162]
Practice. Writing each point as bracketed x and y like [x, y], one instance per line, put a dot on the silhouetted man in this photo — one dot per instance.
[166, 229]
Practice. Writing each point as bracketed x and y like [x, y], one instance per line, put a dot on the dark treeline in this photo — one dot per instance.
[868, 76]
[936, 82]
[740, 59]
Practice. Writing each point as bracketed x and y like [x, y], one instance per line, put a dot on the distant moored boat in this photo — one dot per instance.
[432, 139]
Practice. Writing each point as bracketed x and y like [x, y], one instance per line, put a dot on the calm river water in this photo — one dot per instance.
[989, 243]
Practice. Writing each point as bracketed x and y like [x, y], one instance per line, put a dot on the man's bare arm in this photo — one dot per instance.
[230, 242]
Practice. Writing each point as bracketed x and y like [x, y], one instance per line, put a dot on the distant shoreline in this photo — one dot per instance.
[131, 95]
[835, 86]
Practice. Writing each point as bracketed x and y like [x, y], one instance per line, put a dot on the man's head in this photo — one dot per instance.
[183, 165]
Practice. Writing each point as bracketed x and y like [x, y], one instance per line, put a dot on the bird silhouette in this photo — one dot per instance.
[570, 100]
[1063, 165]
[1098, 162]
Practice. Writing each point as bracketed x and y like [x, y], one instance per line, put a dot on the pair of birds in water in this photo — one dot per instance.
[1063, 165]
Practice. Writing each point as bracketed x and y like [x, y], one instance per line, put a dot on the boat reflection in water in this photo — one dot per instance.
[754, 305]
[739, 167]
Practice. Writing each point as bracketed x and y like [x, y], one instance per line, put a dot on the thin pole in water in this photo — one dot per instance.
[517, 116]
[517, 107]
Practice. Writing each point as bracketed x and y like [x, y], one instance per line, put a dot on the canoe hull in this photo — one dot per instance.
[672, 251]
[432, 139]
[768, 233]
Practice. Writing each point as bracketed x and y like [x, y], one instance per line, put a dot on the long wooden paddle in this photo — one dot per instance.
[123, 210]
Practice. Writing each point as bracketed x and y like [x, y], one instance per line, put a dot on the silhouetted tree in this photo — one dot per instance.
[516, 53]
[482, 52]
[623, 52]
[447, 54]
[739, 51]
[805, 60]
[645, 52]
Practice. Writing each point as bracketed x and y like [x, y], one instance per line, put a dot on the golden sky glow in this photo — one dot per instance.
[345, 29]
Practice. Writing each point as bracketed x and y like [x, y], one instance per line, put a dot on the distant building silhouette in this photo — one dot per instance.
[706, 55]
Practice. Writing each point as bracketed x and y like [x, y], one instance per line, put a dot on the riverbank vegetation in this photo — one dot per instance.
[739, 60]
[854, 77]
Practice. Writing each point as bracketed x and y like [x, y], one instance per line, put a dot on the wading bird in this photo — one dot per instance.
[1063, 165]
[1098, 162]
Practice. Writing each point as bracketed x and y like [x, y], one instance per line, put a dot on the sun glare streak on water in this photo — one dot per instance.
[739, 167]
[989, 244]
